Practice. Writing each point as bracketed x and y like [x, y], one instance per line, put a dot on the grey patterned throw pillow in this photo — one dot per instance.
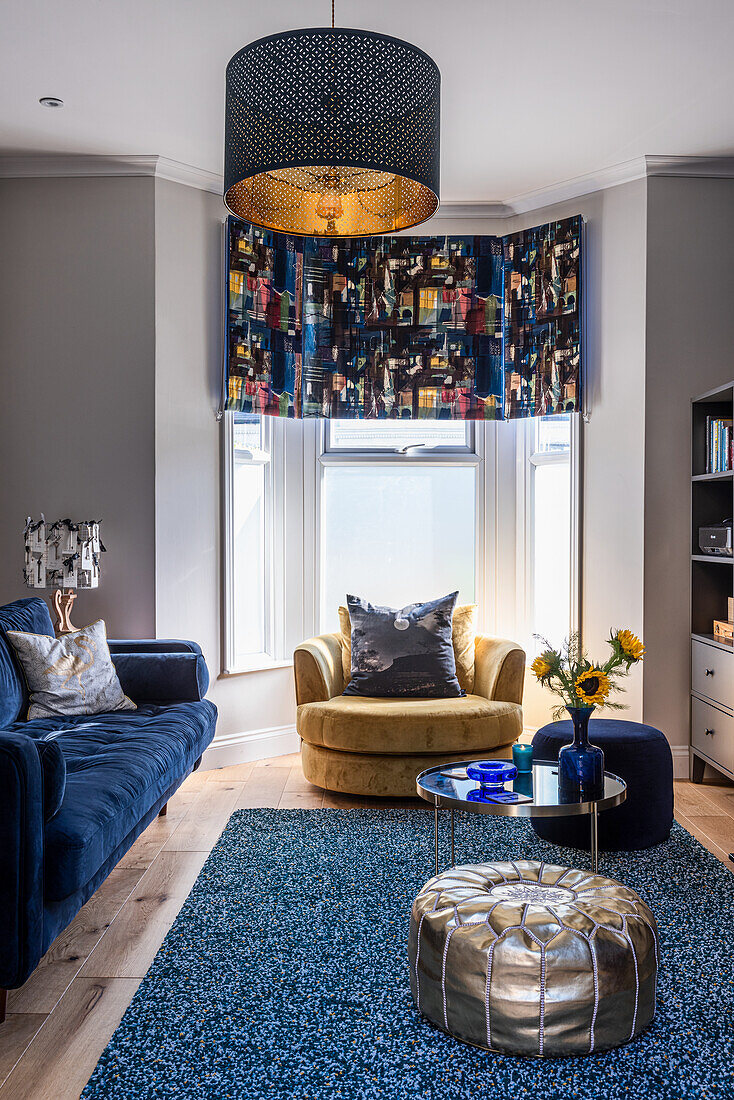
[73, 674]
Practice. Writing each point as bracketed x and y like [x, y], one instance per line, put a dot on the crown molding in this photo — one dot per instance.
[454, 211]
[38, 166]
[626, 172]
[574, 188]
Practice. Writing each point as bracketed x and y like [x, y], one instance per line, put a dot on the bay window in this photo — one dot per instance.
[395, 512]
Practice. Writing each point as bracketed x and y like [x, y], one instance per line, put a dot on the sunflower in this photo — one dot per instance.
[630, 645]
[540, 667]
[593, 686]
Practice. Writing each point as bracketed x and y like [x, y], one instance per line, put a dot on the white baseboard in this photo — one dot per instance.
[681, 765]
[240, 748]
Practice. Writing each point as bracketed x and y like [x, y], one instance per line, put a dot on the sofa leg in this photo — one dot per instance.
[163, 810]
[3, 1004]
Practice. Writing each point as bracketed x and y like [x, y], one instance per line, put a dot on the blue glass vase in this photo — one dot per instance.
[580, 765]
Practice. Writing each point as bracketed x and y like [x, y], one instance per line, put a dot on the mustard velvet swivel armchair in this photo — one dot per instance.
[368, 746]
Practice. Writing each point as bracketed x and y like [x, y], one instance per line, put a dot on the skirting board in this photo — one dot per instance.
[240, 748]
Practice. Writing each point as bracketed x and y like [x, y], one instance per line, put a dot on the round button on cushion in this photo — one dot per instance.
[528, 958]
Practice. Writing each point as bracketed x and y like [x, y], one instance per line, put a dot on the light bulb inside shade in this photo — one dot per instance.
[329, 203]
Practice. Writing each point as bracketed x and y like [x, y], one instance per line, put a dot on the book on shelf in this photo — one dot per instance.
[719, 444]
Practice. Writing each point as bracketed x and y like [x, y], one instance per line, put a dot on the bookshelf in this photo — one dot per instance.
[712, 586]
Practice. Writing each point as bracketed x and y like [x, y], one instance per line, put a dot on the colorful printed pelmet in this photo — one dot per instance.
[542, 330]
[449, 328]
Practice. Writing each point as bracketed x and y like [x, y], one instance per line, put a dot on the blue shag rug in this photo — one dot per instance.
[285, 974]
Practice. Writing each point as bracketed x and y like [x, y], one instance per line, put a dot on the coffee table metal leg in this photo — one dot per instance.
[453, 857]
[435, 833]
[594, 840]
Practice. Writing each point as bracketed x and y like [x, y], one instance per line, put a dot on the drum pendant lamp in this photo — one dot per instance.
[332, 132]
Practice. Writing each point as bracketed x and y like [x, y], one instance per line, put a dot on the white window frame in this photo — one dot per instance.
[417, 451]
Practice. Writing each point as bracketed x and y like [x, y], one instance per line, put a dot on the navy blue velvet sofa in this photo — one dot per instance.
[76, 792]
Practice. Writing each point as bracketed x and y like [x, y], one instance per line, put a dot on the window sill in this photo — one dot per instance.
[260, 662]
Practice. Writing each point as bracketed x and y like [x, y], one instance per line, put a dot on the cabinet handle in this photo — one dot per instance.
[709, 733]
[709, 671]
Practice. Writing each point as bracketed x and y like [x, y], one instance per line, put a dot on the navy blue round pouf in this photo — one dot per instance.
[638, 754]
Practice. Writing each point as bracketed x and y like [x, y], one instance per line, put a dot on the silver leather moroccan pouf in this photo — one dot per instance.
[527, 958]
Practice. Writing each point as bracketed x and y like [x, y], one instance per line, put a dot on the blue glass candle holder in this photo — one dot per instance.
[491, 774]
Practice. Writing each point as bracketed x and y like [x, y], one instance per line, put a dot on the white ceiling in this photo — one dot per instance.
[534, 91]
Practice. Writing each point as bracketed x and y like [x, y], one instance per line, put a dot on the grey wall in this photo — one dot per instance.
[77, 362]
[613, 436]
[188, 239]
[690, 349]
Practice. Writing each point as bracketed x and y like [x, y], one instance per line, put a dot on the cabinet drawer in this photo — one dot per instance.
[712, 673]
[712, 732]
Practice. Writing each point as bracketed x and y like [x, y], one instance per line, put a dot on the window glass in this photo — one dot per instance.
[247, 432]
[552, 434]
[372, 435]
[552, 551]
[550, 526]
[396, 534]
[248, 537]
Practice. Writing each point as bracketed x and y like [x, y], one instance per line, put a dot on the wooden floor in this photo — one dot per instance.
[60, 1021]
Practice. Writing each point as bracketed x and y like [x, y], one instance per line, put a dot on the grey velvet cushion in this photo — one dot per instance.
[73, 674]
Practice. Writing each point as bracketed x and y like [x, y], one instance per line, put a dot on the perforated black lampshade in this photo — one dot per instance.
[332, 132]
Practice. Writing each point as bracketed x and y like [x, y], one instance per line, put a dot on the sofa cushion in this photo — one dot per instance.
[30, 615]
[463, 635]
[72, 674]
[403, 653]
[118, 765]
[53, 771]
[356, 724]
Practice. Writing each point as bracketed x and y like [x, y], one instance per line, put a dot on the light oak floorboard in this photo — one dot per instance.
[692, 799]
[17, 1032]
[139, 929]
[59, 1061]
[202, 826]
[235, 773]
[292, 760]
[265, 787]
[691, 825]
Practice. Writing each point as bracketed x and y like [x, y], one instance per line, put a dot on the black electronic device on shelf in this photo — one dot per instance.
[716, 539]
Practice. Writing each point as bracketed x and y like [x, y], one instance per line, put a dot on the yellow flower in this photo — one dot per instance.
[540, 667]
[593, 686]
[630, 644]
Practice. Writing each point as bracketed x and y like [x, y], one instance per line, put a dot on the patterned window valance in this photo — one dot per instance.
[455, 328]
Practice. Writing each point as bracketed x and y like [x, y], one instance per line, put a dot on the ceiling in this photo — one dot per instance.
[534, 92]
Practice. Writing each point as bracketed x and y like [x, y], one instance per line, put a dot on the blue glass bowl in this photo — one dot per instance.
[491, 774]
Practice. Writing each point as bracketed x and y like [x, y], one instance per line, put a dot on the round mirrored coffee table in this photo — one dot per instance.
[448, 787]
